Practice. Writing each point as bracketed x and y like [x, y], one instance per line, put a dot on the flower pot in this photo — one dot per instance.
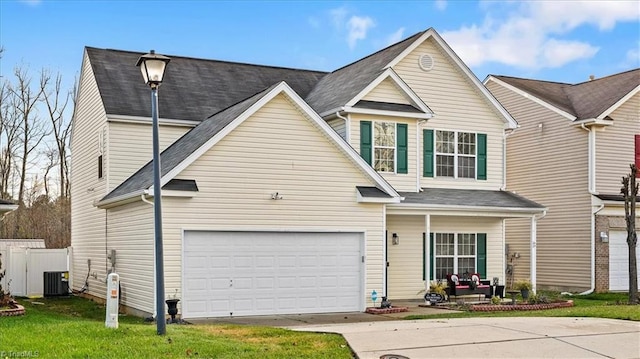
[172, 308]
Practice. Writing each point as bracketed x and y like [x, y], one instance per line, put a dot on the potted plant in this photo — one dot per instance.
[524, 286]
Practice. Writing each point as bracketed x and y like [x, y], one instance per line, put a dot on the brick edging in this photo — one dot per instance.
[372, 310]
[509, 307]
[18, 310]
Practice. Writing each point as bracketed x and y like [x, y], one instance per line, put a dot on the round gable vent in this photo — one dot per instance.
[426, 62]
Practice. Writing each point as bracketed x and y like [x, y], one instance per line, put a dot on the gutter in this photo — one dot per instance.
[593, 251]
[112, 202]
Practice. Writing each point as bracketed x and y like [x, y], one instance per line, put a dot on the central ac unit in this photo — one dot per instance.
[56, 284]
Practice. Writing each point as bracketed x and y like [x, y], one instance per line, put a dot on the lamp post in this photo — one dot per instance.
[152, 67]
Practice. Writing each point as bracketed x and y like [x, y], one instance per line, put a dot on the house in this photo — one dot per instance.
[288, 190]
[574, 144]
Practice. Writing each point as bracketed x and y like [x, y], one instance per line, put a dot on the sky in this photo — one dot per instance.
[564, 41]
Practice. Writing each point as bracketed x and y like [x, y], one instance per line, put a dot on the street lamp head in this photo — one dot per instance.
[152, 67]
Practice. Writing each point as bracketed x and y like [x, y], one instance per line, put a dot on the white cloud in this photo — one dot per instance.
[632, 57]
[531, 35]
[357, 27]
[338, 16]
[440, 5]
[395, 37]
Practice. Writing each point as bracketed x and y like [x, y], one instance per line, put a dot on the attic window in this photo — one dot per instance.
[426, 62]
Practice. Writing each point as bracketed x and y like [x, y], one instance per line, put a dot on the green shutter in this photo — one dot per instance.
[424, 256]
[482, 254]
[428, 153]
[401, 144]
[365, 140]
[482, 156]
[432, 257]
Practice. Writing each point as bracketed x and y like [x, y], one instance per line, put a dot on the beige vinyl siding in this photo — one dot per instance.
[339, 126]
[401, 181]
[130, 147]
[275, 150]
[88, 222]
[457, 105]
[615, 146]
[130, 232]
[405, 259]
[547, 162]
[386, 91]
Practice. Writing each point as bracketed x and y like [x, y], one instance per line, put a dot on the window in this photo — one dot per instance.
[455, 154]
[99, 166]
[384, 146]
[454, 253]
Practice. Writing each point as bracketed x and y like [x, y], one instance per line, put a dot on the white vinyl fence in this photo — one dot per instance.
[26, 266]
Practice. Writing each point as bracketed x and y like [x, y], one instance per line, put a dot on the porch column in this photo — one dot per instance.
[427, 249]
[533, 249]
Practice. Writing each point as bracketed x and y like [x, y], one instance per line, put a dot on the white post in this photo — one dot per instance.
[427, 249]
[533, 252]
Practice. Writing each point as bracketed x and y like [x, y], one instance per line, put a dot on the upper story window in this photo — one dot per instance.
[384, 146]
[454, 154]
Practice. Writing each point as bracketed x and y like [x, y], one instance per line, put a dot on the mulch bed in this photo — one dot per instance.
[373, 310]
[12, 312]
[509, 307]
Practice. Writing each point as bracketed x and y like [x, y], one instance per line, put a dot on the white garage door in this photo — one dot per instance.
[619, 261]
[261, 273]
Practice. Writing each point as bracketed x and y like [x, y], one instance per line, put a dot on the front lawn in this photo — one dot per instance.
[74, 328]
[600, 305]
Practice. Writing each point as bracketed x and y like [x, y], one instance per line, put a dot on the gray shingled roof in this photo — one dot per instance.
[614, 197]
[193, 89]
[469, 198]
[185, 146]
[372, 192]
[586, 100]
[340, 86]
[5, 202]
[386, 106]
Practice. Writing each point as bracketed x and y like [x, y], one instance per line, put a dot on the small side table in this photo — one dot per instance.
[513, 294]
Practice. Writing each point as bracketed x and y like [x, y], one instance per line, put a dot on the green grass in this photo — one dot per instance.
[600, 305]
[74, 328]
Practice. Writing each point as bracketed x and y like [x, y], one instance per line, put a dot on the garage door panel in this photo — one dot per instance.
[271, 273]
[619, 261]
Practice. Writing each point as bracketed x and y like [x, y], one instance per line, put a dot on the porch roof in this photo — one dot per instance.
[449, 197]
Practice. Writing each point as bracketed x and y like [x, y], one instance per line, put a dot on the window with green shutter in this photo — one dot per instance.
[427, 153]
[365, 140]
[402, 146]
[457, 253]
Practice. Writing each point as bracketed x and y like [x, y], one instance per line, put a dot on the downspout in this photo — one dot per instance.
[347, 123]
[592, 191]
[505, 134]
[144, 199]
[418, 156]
[534, 250]
[593, 251]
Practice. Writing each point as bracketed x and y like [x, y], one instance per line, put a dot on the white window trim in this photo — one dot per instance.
[394, 148]
[455, 155]
[455, 256]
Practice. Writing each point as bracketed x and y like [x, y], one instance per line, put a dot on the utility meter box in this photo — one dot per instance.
[113, 295]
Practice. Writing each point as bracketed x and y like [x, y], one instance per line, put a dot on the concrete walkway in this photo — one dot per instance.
[535, 337]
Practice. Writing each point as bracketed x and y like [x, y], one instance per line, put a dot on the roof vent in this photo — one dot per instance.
[426, 62]
[592, 77]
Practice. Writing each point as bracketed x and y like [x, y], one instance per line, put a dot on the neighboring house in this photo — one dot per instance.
[291, 191]
[6, 207]
[574, 144]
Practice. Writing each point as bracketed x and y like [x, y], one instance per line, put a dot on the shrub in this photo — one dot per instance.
[496, 300]
[523, 284]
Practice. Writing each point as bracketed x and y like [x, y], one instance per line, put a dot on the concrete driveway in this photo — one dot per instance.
[490, 338]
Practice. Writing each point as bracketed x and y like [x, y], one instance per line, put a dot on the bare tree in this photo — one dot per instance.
[56, 102]
[8, 139]
[629, 191]
[32, 131]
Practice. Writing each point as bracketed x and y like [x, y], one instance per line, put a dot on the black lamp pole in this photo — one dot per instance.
[152, 67]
